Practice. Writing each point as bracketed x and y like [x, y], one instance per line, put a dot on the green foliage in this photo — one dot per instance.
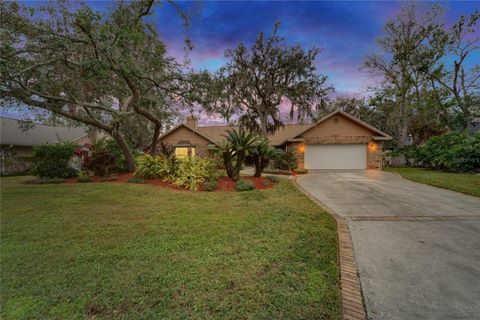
[192, 172]
[262, 154]
[101, 163]
[273, 179]
[210, 185]
[151, 167]
[52, 160]
[244, 185]
[456, 152]
[287, 160]
[256, 80]
[111, 147]
[237, 145]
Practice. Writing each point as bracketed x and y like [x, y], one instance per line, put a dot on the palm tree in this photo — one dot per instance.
[237, 145]
[262, 154]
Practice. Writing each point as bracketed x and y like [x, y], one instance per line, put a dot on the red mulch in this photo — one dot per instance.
[224, 183]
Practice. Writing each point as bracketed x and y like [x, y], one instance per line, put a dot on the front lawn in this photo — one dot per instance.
[111, 250]
[460, 182]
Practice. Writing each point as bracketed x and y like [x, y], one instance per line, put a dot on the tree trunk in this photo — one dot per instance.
[238, 166]
[260, 165]
[156, 134]
[126, 151]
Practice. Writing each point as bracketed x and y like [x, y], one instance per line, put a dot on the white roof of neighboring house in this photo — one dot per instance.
[12, 134]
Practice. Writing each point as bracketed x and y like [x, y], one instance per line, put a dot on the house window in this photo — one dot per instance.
[182, 152]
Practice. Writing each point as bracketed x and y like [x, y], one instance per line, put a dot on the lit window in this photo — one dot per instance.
[181, 152]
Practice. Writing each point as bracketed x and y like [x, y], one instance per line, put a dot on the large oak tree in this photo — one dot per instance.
[258, 80]
[103, 69]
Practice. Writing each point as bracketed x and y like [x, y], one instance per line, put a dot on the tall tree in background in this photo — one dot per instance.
[256, 81]
[460, 42]
[402, 36]
[100, 69]
[427, 93]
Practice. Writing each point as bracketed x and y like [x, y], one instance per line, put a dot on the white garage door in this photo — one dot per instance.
[336, 156]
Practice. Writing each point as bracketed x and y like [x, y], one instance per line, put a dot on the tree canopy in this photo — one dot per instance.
[258, 80]
[108, 69]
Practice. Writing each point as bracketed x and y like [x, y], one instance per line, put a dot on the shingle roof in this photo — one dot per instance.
[12, 134]
[215, 133]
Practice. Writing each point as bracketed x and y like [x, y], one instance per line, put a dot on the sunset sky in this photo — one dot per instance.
[344, 30]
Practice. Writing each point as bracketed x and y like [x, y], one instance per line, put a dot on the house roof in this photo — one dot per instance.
[381, 135]
[12, 134]
[286, 133]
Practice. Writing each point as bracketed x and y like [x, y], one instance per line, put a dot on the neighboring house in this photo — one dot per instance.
[338, 141]
[16, 145]
[20, 143]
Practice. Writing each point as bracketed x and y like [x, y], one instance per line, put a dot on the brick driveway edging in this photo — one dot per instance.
[353, 305]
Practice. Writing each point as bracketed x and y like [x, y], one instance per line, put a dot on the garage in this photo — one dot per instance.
[336, 156]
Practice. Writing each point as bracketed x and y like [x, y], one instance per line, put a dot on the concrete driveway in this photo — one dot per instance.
[408, 269]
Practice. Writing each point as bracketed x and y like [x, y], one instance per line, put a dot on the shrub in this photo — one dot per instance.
[52, 160]
[150, 167]
[244, 185]
[287, 160]
[273, 179]
[265, 183]
[455, 152]
[210, 185]
[101, 163]
[84, 179]
[192, 172]
[136, 180]
[111, 147]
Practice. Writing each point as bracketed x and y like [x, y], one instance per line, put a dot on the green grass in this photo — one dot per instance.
[460, 182]
[132, 251]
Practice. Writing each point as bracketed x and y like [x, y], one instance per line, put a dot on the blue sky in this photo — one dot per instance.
[344, 30]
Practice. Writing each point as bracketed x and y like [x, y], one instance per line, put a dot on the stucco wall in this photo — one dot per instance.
[183, 133]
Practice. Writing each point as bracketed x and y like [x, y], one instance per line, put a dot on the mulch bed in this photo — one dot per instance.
[224, 183]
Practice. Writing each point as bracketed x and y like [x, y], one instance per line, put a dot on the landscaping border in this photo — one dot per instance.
[353, 304]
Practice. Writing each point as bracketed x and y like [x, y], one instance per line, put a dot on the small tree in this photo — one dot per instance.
[237, 145]
[261, 154]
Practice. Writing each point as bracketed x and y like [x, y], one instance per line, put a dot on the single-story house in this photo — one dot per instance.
[17, 142]
[337, 141]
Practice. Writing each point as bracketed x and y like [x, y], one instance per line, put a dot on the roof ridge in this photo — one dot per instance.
[44, 125]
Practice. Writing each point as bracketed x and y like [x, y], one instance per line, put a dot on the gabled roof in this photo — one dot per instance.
[283, 135]
[381, 135]
[187, 127]
[216, 133]
[12, 134]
